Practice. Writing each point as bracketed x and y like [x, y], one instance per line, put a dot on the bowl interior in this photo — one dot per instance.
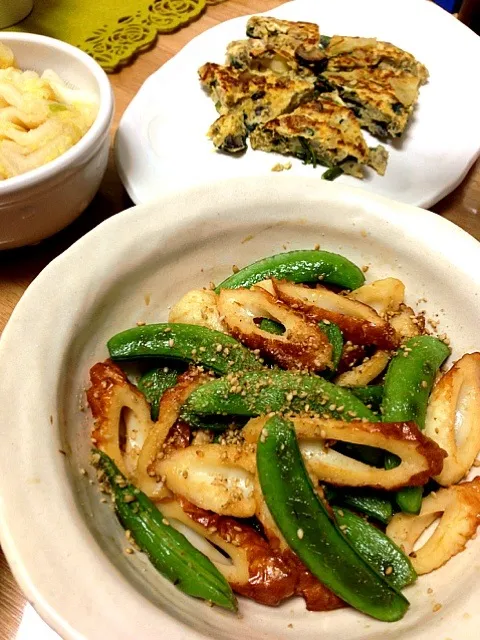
[117, 277]
[38, 55]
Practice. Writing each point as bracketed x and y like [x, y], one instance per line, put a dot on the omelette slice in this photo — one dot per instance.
[265, 56]
[347, 53]
[322, 132]
[382, 99]
[291, 34]
[245, 100]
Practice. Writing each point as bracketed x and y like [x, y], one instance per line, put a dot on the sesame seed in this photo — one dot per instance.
[424, 384]
[300, 534]
[340, 513]
[165, 522]
[129, 551]
[327, 322]
[171, 342]
[219, 348]
[316, 247]
[388, 571]
[323, 434]
[436, 607]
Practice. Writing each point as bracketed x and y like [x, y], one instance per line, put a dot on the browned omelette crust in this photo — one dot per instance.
[382, 99]
[346, 53]
[273, 575]
[331, 131]
[228, 87]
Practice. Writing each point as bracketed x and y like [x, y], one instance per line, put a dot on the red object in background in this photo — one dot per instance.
[469, 14]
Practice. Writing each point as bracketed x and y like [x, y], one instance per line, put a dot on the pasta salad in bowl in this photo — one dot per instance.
[273, 415]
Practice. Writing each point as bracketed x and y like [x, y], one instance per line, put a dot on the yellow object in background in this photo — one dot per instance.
[113, 31]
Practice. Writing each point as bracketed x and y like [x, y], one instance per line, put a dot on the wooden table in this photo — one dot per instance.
[18, 268]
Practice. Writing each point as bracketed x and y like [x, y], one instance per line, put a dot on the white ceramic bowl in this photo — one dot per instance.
[39, 203]
[65, 547]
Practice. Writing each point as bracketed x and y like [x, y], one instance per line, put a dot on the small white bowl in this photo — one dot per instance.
[65, 547]
[37, 204]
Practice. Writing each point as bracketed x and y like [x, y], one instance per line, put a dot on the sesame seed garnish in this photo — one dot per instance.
[129, 551]
[171, 342]
[327, 322]
[323, 434]
[424, 384]
[436, 607]
[388, 571]
[165, 522]
[300, 534]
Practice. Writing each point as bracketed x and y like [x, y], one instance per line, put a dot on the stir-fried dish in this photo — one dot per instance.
[293, 433]
[295, 92]
[41, 117]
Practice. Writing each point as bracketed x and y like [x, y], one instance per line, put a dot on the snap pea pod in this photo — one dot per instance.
[153, 384]
[377, 507]
[168, 550]
[408, 383]
[271, 326]
[335, 337]
[376, 548]
[372, 394]
[299, 266]
[311, 533]
[188, 342]
[258, 393]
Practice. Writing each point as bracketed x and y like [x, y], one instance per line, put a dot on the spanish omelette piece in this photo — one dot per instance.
[382, 99]
[322, 132]
[245, 100]
[268, 95]
[347, 53]
[264, 56]
[295, 33]
[229, 133]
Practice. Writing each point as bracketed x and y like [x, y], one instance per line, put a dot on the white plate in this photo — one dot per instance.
[161, 143]
[64, 546]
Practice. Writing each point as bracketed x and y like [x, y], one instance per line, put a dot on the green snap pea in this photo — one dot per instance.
[257, 393]
[168, 550]
[372, 394]
[299, 266]
[408, 383]
[335, 337]
[153, 384]
[310, 532]
[272, 327]
[187, 342]
[373, 505]
[376, 548]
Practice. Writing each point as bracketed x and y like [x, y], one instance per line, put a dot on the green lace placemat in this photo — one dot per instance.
[111, 31]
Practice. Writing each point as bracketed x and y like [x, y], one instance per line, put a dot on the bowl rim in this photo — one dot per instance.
[88, 142]
[413, 219]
